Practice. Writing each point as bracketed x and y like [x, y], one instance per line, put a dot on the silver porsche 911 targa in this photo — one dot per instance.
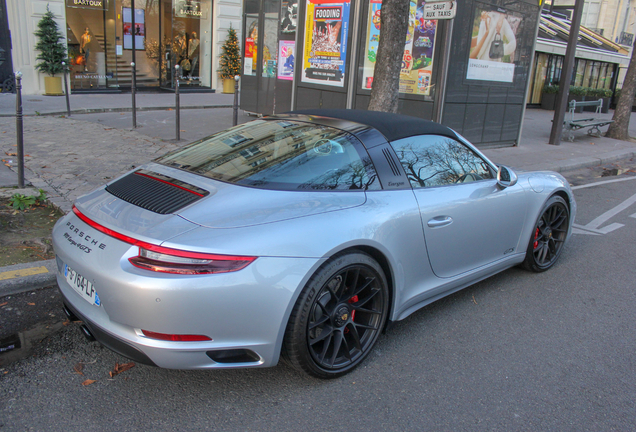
[299, 235]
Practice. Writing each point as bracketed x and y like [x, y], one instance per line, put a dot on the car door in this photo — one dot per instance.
[469, 221]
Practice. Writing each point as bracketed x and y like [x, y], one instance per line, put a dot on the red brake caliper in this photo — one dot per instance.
[353, 300]
[536, 236]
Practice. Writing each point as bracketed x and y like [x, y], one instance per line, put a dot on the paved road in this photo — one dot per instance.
[519, 351]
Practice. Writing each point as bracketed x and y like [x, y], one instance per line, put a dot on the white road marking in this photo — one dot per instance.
[611, 213]
[603, 182]
[634, 215]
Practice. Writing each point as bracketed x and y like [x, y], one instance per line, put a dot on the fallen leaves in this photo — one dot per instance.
[31, 304]
[4, 304]
[119, 368]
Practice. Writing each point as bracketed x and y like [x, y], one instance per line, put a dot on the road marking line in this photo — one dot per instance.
[24, 272]
[603, 182]
[611, 213]
[634, 215]
[577, 229]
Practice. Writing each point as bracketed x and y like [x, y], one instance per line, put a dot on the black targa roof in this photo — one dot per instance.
[392, 126]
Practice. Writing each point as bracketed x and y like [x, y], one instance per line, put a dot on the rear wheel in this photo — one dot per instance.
[548, 236]
[338, 316]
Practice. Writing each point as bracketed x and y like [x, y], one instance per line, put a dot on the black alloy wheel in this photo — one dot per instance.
[548, 236]
[338, 317]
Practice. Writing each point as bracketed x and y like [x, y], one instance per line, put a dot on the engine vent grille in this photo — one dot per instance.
[391, 161]
[155, 192]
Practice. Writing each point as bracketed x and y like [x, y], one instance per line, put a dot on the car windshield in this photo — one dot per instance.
[277, 154]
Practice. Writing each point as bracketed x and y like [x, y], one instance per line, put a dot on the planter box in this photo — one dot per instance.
[548, 101]
[53, 86]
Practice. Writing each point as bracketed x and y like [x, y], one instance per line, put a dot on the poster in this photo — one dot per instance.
[139, 31]
[286, 50]
[289, 16]
[493, 45]
[251, 46]
[325, 44]
[417, 60]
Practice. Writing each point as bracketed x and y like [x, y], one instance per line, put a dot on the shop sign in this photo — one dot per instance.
[88, 4]
[188, 9]
[440, 10]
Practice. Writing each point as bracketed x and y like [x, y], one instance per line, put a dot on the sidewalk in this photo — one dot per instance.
[68, 157]
[110, 102]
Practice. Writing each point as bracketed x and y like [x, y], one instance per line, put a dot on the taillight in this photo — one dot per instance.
[175, 337]
[168, 260]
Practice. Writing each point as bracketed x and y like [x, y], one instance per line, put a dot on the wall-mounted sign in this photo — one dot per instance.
[88, 4]
[440, 10]
[325, 44]
[188, 9]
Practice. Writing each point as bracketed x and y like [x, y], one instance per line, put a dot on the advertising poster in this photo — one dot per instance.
[251, 41]
[493, 45]
[139, 32]
[417, 61]
[325, 44]
[286, 51]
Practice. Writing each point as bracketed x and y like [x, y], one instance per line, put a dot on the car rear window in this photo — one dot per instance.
[276, 154]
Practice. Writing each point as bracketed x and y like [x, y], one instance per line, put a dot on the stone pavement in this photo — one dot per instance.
[68, 157]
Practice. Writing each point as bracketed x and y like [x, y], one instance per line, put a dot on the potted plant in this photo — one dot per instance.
[230, 61]
[52, 53]
[548, 97]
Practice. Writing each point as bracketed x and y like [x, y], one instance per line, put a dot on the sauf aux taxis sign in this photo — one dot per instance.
[88, 4]
[434, 10]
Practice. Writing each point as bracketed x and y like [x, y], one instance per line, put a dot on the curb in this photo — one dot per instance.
[109, 110]
[21, 278]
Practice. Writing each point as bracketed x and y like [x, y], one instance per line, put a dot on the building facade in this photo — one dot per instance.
[470, 73]
[104, 37]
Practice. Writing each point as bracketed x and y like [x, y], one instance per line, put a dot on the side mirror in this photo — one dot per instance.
[506, 177]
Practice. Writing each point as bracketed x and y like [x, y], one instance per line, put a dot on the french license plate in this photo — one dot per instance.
[83, 286]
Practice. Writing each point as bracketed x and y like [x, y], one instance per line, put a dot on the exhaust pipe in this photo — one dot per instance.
[70, 315]
[87, 333]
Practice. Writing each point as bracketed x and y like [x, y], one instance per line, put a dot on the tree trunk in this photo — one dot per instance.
[394, 22]
[619, 129]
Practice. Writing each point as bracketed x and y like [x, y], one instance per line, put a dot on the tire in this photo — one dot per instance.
[548, 236]
[334, 325]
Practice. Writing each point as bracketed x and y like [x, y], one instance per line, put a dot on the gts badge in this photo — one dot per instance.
[507, 251]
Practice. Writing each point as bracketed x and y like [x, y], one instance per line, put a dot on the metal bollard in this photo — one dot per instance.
[19, 127]
[177, 102]
[134, 90]
[236, 95]
[68, 102]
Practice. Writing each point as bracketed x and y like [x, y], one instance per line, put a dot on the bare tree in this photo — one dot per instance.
[619, 129]
[394, 22]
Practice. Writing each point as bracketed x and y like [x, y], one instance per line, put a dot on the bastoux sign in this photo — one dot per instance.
[88, 4]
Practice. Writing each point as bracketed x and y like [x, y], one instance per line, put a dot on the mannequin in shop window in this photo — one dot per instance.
[193, 52]
[85, 39]
[179, 49]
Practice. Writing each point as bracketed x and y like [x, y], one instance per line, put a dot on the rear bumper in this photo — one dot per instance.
[110, 341]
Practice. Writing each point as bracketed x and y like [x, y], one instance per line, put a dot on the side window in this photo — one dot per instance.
[433, 160]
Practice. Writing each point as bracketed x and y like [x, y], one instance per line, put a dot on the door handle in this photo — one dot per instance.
[440, 221]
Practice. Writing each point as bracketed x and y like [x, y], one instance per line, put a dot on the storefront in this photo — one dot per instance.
[101, 35]
[321, 54]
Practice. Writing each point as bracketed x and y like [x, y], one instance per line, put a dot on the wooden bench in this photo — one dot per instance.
[593, 124]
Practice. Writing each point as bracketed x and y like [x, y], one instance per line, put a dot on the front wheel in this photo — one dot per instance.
[338, 316]
[548, 236]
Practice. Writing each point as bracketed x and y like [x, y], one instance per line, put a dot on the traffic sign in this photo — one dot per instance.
[440, 10]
